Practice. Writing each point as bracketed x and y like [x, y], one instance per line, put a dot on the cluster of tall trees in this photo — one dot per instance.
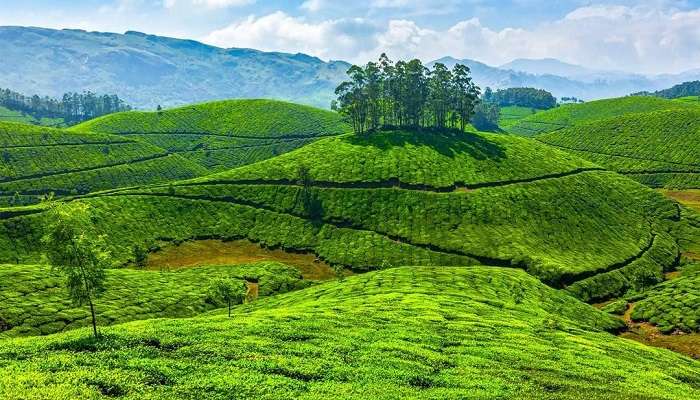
[681, 90]
[407, 94]
[523, 97]
[72, 107]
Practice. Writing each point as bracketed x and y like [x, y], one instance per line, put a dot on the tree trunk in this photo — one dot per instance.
[94, 320]
[229, 308]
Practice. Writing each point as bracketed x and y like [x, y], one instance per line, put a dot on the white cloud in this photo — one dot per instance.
[211, 4]
[313, 5]
[642, 39]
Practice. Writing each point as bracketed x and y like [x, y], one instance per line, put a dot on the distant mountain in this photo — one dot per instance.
[562, 79]
[148, 70]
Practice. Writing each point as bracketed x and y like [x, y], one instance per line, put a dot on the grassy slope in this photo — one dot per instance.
[657, 148]
[225, 134]
[33, 299]
[419, 333]
[409, 199]
[512, 114]
[18, 117]
[37, 160]
[572, 114]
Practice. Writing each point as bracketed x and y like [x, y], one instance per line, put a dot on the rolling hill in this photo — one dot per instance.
[406, 198]
[224, 134]
[569, 115]
[33, 300]
[413, 332]
[659, 149]
[39, 160]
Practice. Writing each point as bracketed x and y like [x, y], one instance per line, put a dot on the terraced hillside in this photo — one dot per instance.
[513, 114]
[569, 115]
[39, 160]
[413, 332]
[659, 149]
[34, 300]
[224, 134]
[402, 198]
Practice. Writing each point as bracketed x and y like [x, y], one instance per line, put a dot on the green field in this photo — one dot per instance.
[8, 115]
[34, 301]
[224, 134]
[443, 333]
[512, 114]
[39, 160]
[569, 115]
[400, 198]
[659, 149]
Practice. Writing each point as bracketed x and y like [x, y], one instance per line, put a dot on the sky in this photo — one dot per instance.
[648, 37]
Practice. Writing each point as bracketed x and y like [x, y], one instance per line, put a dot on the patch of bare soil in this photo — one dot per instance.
[648, 334]
[216, 252]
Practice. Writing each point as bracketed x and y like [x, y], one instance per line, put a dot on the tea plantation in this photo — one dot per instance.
[400, 198]
[39, 160]
[34, 300]
[224, 134]
[569, 115]
[659, 149]
[419, 332]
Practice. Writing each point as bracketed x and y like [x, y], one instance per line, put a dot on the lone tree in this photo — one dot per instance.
[228, 291]
[73, 246]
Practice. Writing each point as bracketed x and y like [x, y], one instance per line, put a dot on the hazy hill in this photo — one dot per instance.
[148, 70]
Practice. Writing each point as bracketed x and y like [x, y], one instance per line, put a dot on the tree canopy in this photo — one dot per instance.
[72, 107]
[406, 94]
[523, 97]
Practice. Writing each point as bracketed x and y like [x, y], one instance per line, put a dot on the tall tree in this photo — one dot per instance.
[227, 291]
[73, 246]
[465, 94]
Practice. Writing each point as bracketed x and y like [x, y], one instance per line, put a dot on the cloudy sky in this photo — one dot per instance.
[655, 36]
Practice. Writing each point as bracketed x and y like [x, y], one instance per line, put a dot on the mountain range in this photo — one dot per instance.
[149, 70]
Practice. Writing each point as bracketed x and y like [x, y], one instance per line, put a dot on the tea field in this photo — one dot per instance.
[569, 115]
[415, 332]
[34, 301]
[659, 149]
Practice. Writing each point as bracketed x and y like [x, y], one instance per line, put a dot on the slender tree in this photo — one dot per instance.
[227, 291]
[73, 246]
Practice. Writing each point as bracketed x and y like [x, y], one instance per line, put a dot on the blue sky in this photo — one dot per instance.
[649, 37]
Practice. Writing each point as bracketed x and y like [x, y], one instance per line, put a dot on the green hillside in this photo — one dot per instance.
[19, 117]
[400, 198]
[512, 114]
[38, 160]
[659, 149]
[407, 333]
[34, 300]
[571, 114]
[224, 134]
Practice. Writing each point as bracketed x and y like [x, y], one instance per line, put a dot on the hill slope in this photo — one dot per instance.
[38, 160]
[569, 115]
[658, 148]
[402, 198]
[224, 134]
[34, 300]
[416, 333]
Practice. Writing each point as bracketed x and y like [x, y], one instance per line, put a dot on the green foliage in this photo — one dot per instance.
[486, 116]
[672, 305]
[685, 89]
[263, 119]
[33, 300]
[400, 333]
[75, 248]
[511, 115]
[569, 115]
[38, 160]
[229, 291]
[654, 147]
[522, 97]
[407, 95]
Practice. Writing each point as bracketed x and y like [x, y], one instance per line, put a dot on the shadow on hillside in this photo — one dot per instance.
[448, 143]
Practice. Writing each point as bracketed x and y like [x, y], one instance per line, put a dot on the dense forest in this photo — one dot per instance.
[407, 94]
[522, 97]
[72, 107]
[681, 90]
